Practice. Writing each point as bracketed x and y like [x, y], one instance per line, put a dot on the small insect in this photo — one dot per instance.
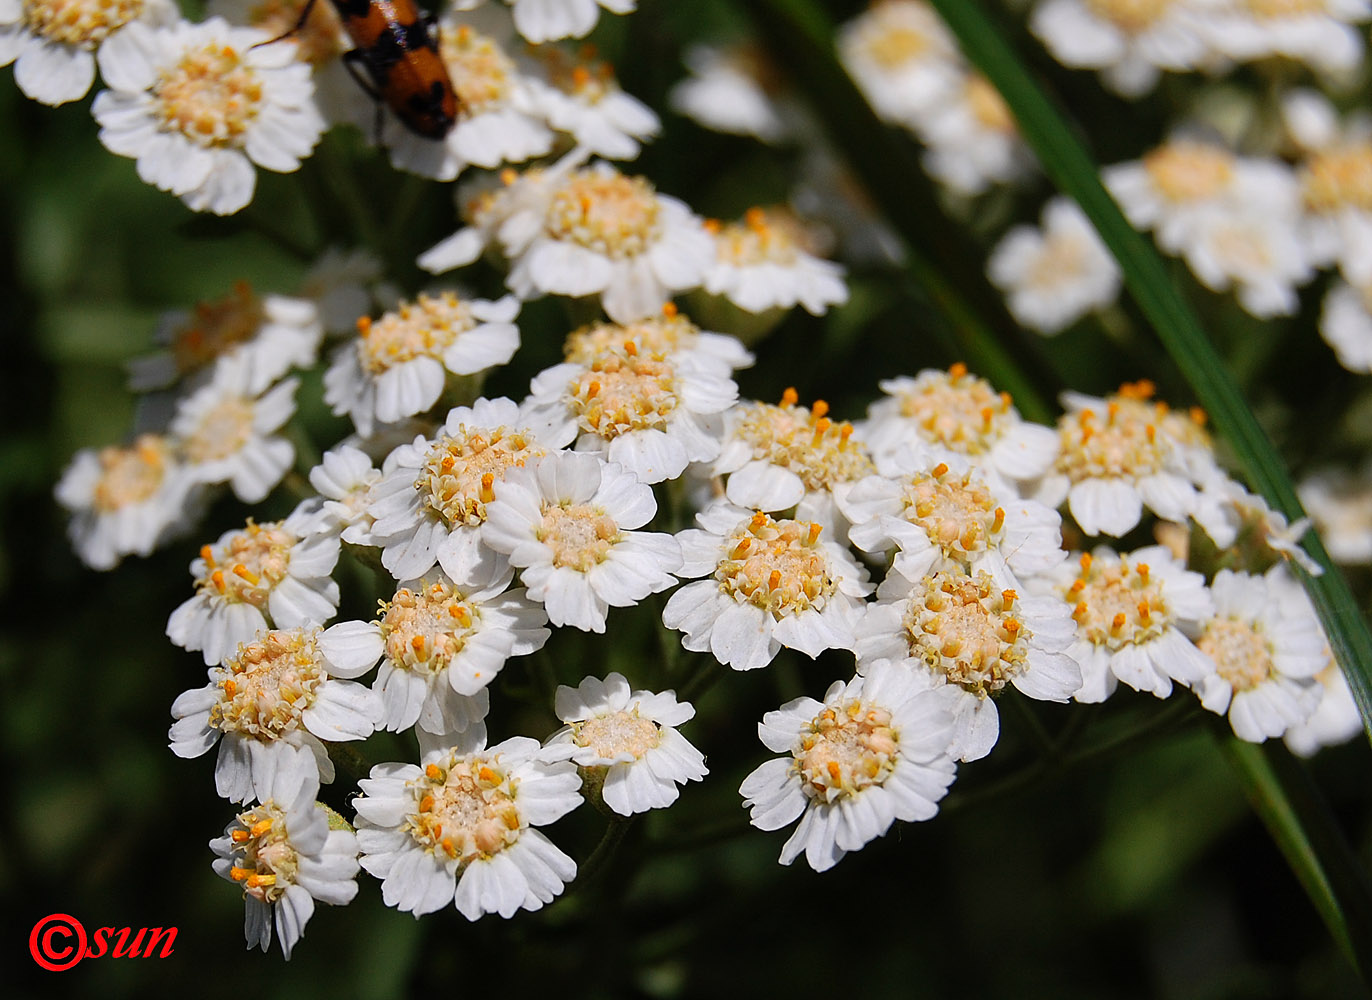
[396, 43]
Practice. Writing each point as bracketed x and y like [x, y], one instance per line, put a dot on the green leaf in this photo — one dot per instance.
[1067, 162]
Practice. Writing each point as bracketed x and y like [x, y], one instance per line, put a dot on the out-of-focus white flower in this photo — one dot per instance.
[1340, 502]
[769, 583]
[625, 742]
[270, 333]
[285, 856]
[873, 752]
[124, 501]
[399, 364]
[1265, 649]
[973, 139]
[583, 98]
[1333, 181]
[199, 105]
[342, 283]
[1346, 324]
[965, 637]
[543, 21]
[273, 575]
[765, 262]
[1335, 720]
[273, 702]
[1054, 275]
[440, 646]
[1133, 614]
[728, 91]
[569, 521]
[1317, 32]
[460, 828]
[902, 57]
[51, 42]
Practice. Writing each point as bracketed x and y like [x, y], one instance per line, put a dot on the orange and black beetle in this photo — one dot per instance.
[396, 42]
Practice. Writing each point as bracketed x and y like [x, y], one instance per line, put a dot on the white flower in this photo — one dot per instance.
[399, 364]
[501, 120]
[226, 431]
[782, 456]
[972, 138]
[1231, 516]
[770, 583]
[273, 702]
[1133, 614]
[957, 413]
[934, 512]
[966, 638]
[871, 753]
[342, 284]
[344, 477]
[199, 104]
[902, 58]
[460, 829]
[764, 263]
[50, 41]
[273, 575]
[124, 501]
[270, 334]
[653, 412]
[1340, 502]
[431, 502]
[1121, 454]
[1338, 155]
[1258, 250]
[1346, 324]
[1127, 40]
[668, 333]
[1054, 275]
[727, 92]
[1265, 649]
[1316, 32]
[285, 856]
[440, 646]
[567, 521]
[548, 20]
[612, 235]
[583, 98]
[1335, 719]
[627, 741]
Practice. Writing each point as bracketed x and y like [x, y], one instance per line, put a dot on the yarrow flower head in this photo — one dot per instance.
[1266, 649]
[271, 575]
[903, 57]
[399, 364]
[956, 412]
[766, 261]
[626, 743]
[872, 752]
[654, 411]
[584, 99]
[273, 701]
[730, 90]
[668, 333]
[1133, 614]
[1340, 502]
[770, 583]
[460, 828]
[440, 645]
[51, 42]
[569, 523]
[199, 104]
[286, 853]
[125, 501]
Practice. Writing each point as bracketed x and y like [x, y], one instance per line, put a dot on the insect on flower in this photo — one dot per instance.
[396, 43]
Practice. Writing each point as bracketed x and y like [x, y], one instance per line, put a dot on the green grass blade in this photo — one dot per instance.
[1067, 162]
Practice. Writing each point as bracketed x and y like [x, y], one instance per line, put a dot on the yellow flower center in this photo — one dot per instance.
[131, 475]
[1334, 178]
[579, 534]
[763, 237]
[957, 512]
[460, 470]
[1286, 8]
[83, 23]
[614, 215]
[1126, 444]
[268, 685]
[465, 810]
[958, 411]
[211, 96]
[1187, 172]
[622, 391]
[655, 335]
[223, 431]
[965, 629]
[809, 444]
[249, 565]
[779, 566]
[425, 328]
[216, 328]
[1133, 17]
[264, 861]
[320, 39]
[617, 733]
[846, 749]
[988, 107]
[1117, 604]
[480, 70]
[425, 629]
[1242, 654]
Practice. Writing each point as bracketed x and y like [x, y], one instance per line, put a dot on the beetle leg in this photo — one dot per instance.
[300, 23]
